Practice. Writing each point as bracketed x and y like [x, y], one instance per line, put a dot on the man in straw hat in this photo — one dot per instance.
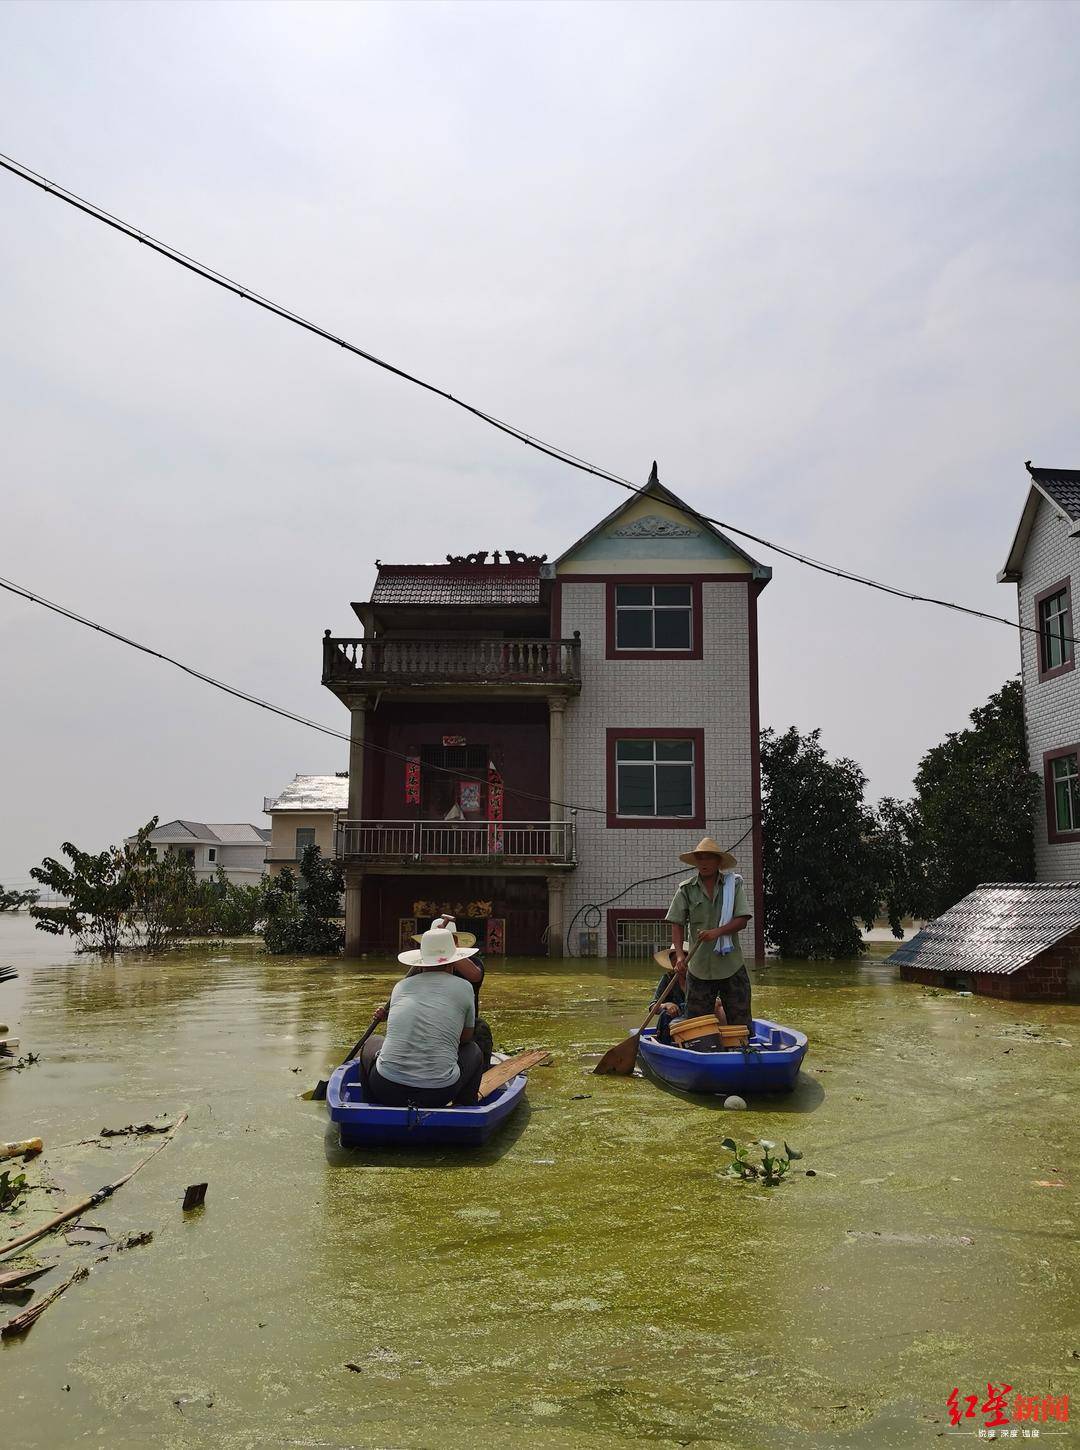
[711, 905]
[428, 1056]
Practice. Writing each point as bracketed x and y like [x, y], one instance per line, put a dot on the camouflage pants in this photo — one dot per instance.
[733, 992]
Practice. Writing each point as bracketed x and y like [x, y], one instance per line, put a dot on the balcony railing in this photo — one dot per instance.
[437, 660]
[496, 842]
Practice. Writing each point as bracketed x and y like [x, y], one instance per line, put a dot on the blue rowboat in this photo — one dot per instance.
[363, 1124]
[769, 1064]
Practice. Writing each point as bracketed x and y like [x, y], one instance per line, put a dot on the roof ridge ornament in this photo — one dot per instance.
[652, 526]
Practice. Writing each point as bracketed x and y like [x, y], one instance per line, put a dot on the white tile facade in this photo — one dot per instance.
[712, 694]
[1051, 707]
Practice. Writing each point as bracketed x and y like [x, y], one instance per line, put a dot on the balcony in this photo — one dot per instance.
[457, 847]
[500, 665]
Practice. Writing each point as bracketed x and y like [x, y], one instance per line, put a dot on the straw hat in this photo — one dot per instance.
[727, 860]
[663, 959]
[437, 949]
[463, 938]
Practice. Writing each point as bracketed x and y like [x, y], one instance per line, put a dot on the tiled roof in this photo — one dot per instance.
[229, 834]
[457, 584]
[314, 793]
[998, 927]
[1063, 486]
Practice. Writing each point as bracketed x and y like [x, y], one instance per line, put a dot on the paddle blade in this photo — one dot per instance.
[619, 1061]
[318, 1092]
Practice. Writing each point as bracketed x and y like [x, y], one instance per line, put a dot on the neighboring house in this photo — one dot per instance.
[306, 813]
[1044, 563]
[238, 849]
[497, 692]
[1010, 939]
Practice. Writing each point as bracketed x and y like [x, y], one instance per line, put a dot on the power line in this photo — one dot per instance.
[250, 699]
[551, 450]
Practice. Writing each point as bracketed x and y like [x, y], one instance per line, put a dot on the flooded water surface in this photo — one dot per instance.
[591, 1278]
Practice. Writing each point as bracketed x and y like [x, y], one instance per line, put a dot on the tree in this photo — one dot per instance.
[100, 889]
[972, 819]
[822, 862]
[15, 900]
[301, 917]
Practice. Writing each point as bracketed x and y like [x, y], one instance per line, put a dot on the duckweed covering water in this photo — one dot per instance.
[592, 1278]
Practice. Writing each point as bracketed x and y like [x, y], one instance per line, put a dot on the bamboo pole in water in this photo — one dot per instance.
[93, 1200]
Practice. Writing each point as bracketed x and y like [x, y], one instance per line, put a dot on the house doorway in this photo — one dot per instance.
[442, 789]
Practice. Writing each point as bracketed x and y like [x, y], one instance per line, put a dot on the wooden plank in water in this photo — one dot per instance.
[502, 1072]
[8, 1044]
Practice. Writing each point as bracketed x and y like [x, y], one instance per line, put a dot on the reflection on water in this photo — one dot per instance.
[590, 1278]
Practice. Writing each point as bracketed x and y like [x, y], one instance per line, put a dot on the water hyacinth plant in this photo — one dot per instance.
[771, 1167]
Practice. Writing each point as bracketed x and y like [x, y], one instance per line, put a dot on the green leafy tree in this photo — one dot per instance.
[972, 819]
[898, 867]
[302, 915]
[822, 863]
[15, 900]
[101, 890]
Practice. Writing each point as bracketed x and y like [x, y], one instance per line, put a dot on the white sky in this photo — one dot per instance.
[820, 260]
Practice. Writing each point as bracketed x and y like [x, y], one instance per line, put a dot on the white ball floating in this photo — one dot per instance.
[734, 1102]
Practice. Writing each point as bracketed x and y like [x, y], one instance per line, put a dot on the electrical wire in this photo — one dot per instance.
[250, 699]
[595, 906]
[551, 450]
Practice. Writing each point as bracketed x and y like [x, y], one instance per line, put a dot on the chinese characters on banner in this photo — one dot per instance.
[495, 936]
[452, 740]
[459, 910]
[412, 781]
[1031, 1408]
[495, 811]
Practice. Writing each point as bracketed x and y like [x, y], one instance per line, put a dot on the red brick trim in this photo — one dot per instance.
[696, 618]
[656, 578]
[656, 823]
[629, 913]
[754, 588]
[1070, 663]
[1053, 835]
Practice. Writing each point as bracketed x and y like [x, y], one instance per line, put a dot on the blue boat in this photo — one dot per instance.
[363, 1124]
[768, 1064]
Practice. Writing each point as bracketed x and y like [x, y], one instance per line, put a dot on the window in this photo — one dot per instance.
[1066, 780]
[1054, 617]
[654, 617]
[211, 854]
[305, 836]
[637, 934]
[655, 776]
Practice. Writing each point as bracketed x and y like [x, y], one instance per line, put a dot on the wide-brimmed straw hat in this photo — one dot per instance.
[464, 938]
[662, 958]
[437, 949]
[707, 844]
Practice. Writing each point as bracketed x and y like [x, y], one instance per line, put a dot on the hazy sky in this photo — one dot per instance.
[820, 260]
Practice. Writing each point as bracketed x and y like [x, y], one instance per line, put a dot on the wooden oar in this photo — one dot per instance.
[619, 1061]
[318, 1092]
[499, 1075]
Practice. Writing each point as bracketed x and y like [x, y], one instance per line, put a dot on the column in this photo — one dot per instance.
[354, 877]
[357, 731]
[556, 916]
[556, 755]
[354, 881]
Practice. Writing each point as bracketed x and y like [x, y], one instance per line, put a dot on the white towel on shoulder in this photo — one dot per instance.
[724, 944]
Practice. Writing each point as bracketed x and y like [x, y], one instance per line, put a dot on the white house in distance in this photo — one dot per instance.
[306, 813]
[1042, 562]
[238, 849]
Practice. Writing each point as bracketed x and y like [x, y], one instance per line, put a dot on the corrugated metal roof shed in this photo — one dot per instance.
[457, 584]
[314, 793]
[998, 927]
[1063, 486]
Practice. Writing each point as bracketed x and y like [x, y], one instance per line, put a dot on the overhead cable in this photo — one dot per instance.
[561, 455]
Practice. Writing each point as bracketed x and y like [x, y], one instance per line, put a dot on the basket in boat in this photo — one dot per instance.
[706, 1034]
